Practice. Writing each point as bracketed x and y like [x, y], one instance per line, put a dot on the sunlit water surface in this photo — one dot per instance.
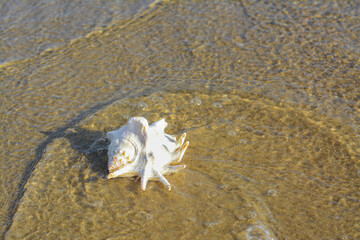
[268, 94]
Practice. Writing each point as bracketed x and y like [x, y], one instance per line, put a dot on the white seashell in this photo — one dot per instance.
[140, 149]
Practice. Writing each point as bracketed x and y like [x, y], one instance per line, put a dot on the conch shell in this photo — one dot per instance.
[140, 149]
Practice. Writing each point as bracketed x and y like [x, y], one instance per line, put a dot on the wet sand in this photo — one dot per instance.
[269, 97]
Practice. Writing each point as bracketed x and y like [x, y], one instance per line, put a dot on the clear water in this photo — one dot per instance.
[268, 94]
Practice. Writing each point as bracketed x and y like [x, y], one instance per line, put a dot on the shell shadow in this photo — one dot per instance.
[91, 144]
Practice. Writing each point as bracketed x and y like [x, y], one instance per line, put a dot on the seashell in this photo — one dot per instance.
[140, 149]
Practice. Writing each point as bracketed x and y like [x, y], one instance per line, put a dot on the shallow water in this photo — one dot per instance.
[267, 92]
